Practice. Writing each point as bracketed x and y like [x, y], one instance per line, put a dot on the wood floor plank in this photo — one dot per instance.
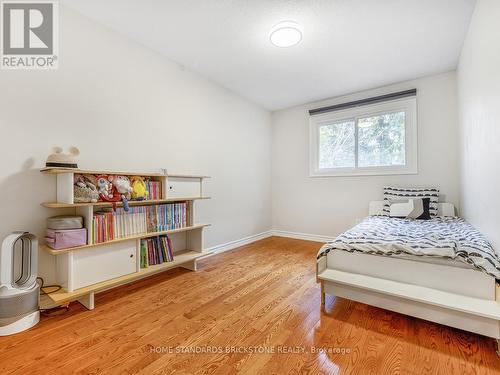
[263, 295]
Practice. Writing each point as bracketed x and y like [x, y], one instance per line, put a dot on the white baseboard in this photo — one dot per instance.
[260, 236]
[302, 236]
[237, 243]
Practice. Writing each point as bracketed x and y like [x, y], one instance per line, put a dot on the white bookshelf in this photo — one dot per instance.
[85, 270]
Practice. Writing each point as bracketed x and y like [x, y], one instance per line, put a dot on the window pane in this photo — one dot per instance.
[381, 140]
[337, 145]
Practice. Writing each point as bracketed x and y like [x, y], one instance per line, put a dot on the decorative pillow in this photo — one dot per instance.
[400, 208]
[393, 193]
[413, 208]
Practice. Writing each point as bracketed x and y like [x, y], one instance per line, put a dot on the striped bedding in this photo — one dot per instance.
[442, 237]
[392, 193]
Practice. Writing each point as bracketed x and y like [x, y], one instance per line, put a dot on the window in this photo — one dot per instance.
[372, 139]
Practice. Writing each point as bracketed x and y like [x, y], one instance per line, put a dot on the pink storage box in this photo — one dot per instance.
[63, 238]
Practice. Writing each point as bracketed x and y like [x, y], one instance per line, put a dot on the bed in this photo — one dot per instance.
[442, 270]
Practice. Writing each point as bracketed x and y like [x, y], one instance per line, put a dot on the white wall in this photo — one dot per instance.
[128, 108]
[330, 205]
[479, 103]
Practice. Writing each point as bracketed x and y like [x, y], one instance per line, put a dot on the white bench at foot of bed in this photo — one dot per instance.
[470, 314]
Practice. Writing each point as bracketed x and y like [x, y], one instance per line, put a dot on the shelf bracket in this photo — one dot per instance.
[191, 265]
[88, 301]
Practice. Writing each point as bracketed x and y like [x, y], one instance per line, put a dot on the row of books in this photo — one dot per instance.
[154, 189]
[156, 250]
[108, 225]
[167, 216]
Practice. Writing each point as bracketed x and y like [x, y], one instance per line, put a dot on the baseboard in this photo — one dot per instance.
[302, 236]
[237, 243]
[260, 236]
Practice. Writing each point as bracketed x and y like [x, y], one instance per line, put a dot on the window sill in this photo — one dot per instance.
[363, 172]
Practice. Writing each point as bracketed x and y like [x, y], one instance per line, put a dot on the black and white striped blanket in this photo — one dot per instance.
[443, 237]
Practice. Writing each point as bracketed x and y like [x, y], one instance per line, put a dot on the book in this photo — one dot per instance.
[144, 255]
[108, 225]
[154, 189]
[156, 250]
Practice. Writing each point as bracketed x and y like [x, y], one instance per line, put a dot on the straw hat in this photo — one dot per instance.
[60, 160]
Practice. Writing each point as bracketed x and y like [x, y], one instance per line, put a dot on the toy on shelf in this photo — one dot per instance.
[107, 190]
[139, 191]
[123, 187]
[85, 189]
[105, 187]
[90, 188]
[60, 160]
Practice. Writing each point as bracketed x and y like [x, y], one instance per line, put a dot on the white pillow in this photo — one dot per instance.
[410, 208]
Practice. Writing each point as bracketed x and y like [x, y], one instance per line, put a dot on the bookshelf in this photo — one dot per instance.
[118, 204]
[85, 270]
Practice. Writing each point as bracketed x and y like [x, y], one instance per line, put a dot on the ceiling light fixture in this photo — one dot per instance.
[286, 34]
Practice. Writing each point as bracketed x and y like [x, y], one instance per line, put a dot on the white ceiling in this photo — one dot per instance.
[347, 46]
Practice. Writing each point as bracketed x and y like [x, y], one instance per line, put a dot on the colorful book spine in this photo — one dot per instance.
[154, 189]
[155, 251]
[110, 225]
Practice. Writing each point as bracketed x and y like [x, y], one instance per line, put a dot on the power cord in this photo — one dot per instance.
[55, 288]
[41, 282]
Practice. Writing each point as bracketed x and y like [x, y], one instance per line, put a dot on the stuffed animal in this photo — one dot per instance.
[84, 190]
[139, 191]
[105, 188]
[107, 191]
[122, 185]
[78, 180]
[91, 178]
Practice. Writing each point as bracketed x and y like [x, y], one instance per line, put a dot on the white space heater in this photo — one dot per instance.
[19, 290]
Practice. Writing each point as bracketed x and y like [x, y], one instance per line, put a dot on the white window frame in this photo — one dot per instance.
[408, 105]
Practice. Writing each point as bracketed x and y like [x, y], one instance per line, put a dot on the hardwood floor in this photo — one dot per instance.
[262, 296]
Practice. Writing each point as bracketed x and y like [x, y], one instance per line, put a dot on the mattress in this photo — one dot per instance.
[447, 241]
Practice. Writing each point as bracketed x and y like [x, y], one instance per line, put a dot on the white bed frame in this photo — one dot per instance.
[454, 296]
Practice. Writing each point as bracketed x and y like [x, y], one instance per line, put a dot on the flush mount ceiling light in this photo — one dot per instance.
[286, 34]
